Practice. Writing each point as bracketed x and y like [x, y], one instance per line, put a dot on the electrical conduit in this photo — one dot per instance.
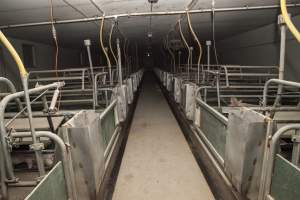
[198, 43]
[186, 45]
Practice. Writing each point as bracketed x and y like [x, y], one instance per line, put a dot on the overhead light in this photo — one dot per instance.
[152, 1]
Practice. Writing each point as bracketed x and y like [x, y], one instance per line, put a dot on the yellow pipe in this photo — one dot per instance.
[14, 54]
[103, 49]
[195, 37]
[288, 21]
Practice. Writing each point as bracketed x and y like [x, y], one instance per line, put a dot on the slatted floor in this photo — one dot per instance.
[157, 162]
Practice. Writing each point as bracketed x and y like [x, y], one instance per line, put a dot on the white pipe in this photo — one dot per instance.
[89, 19]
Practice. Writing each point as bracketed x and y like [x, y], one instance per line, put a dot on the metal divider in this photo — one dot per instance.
[53, 186]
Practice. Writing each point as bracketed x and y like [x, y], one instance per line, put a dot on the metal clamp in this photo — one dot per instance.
[296, 138]
[37, 146]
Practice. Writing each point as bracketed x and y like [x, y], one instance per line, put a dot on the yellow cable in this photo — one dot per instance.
[14, 54]
[288, 21]
[195, 37]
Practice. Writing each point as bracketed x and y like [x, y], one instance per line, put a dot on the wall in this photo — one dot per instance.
[44, 59]
[261, 47]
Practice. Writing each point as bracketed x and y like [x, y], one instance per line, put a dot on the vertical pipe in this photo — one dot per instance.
[218, 91]
[137, 56]
[185, 43]
[87, 43]
[179, 61]
[208, 44]
[12, 89]
[296, 148]
[191, 62]
[281, 58]
[3, 177]
[36, 146]
[119, 62]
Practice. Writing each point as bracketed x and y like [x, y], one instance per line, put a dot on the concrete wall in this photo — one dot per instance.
[261, 47]
[44, 59]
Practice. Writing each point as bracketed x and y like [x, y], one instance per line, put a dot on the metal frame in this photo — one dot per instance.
[97, 18]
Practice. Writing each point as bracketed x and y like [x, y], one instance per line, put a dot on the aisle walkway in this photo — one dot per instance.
[157, 162]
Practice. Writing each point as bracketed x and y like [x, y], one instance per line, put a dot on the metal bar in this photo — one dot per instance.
[218, 115]
[111, 142]
[89, 19]
[119, 62]
[68, 169]
[21, 111]
[3, 104]
[95, 99]
[218, 91]
[87, 43]
[277, 81]
[109, 108]
[273, 145]
[282, 25]
[36, 145]
[12, 89]
[296, 148]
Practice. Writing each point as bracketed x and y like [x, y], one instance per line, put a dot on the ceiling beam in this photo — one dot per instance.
[161, 13]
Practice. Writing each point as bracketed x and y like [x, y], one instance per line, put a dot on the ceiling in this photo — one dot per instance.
[134, 28]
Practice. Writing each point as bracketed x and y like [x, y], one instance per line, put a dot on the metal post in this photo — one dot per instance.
[119, 62]
[282, 25]
[296, 148]
[36, 146]
[208, 44]
[12, 89]
[273, 142]
[159, 13]
[190, 62]
[179, 60]
[218, 90]
[87, 43]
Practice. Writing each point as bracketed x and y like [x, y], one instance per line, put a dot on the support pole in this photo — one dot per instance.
[119, 62]
[281, 58]
[87, 43]
[36, 146]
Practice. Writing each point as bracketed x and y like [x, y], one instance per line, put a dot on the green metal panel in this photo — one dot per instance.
[52, 187]
[214, 129]
[108, 126]
[285, 180]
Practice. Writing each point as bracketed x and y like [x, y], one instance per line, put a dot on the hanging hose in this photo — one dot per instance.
[54, 35]
[198, 42]
[186, 45]
[110, 43]
[104, 51]
[288, 21]
[14, 54]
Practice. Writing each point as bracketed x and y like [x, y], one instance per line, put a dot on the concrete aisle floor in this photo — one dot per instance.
[157, 162]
